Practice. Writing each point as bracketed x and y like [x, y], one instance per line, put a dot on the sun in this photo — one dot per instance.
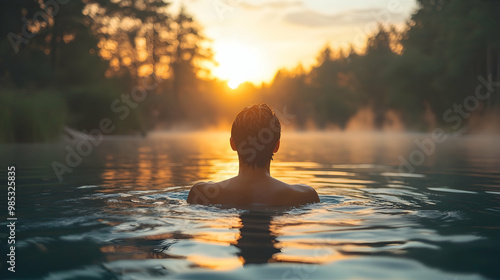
[238, 63]
[233, 84]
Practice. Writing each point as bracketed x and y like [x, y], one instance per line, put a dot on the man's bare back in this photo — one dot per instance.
[238, 191]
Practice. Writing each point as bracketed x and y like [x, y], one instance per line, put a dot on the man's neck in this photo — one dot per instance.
[253, 172]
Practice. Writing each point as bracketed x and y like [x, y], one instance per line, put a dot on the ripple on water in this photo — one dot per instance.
[156, 234]
[126, 216]
[446, 189]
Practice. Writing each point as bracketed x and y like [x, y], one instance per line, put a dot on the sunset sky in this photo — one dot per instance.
[253, 39]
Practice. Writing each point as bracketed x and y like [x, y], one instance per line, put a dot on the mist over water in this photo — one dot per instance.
[121, 214]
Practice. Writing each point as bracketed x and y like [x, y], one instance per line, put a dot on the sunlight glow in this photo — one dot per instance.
[238, 63]
[233, 84]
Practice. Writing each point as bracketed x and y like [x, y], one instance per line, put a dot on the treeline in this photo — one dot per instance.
[442, 70]
[76, 62]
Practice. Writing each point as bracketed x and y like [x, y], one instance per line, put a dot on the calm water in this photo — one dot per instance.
[121, 214]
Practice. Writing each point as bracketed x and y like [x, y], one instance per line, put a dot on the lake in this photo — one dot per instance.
[393, 206]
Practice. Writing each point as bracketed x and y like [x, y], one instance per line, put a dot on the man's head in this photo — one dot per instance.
[255, 135]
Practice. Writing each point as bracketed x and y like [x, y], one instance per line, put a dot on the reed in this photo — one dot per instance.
[31, 116]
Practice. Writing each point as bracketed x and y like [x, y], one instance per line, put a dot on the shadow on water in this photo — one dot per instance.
[257, 242]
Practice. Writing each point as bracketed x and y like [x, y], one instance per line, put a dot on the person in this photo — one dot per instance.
[255, 136]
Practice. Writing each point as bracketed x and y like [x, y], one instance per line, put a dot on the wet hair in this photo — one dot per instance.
[255, 132]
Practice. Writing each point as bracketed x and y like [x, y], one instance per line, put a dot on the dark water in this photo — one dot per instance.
[121, 213]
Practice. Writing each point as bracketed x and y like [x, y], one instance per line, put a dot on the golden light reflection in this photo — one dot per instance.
[215, 263]
[160, 163]
[216, 237]
[222, 169]
[219, 231]
[315, 259]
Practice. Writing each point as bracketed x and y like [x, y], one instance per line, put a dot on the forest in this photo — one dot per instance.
[73, 63]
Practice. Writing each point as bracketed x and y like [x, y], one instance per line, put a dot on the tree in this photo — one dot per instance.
[456, 41]
[370, 70]
[133, 35]
[188, 56]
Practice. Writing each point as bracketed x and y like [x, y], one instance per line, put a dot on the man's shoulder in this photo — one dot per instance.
[198, 193]
[303, 193]
[205, 192]
[202, 184]
[301, 187]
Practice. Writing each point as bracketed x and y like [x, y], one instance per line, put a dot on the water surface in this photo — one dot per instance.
[121, 213]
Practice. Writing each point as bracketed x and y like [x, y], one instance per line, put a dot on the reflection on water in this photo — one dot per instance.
[122, 212]
[257, 242]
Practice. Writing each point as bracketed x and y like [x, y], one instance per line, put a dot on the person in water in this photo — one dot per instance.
[255, 136]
